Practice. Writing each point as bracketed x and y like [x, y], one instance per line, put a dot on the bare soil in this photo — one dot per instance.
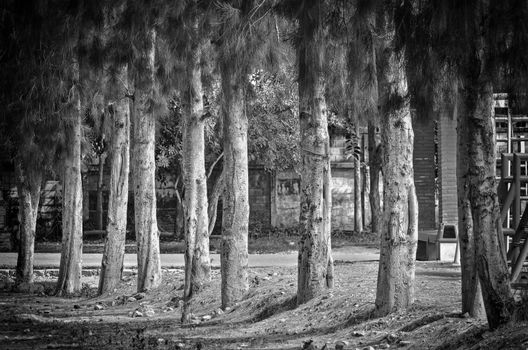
[267, 317]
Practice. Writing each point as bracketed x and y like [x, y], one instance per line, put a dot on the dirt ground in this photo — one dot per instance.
[267, 318]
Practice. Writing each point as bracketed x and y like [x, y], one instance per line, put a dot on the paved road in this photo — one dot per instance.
[51, 260]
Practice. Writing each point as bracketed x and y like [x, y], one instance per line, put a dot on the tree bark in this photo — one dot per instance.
[399, 231]
[472, 302]
[144, 169]
[235, 219]
[490, 258]
[214, 196]
[114, 249]
[374, 149]
[69, 281]
[196, 221]
[315, 267]
[358, 214]
[28, 198]
[100, 184]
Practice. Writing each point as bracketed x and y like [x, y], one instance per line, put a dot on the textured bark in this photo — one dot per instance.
[69, 281]
[375, 172]
[374, 152]
[358, 213]
[100, 184]
[235, 219]
[114, 250]
[214, 196]
[490, 258]
[28, 199]
[144, 168]
[315, 267]
[471, 294]
[399, 231]
[196, 221]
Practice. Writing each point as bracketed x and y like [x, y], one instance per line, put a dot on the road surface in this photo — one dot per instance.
[52, 260]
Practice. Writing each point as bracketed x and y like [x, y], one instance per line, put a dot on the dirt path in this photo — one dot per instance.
[267, 318]
[346, 254]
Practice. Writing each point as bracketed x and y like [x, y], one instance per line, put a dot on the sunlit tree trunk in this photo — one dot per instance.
[144, 169]
[235, 218]
[114, 250]
[315, 267]
[69, 281]
[471, 294]
[196, 221]
[399, 230]
[28, 199]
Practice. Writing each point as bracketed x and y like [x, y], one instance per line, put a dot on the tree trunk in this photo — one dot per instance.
[315, 267]
[69, 281]
[100, 184]
[490, 258]
[114, 250]
[234, 256]
[472, 302]
[196, 221]
[144, 171]
[28, 199]
[399, 231]
[374, 150]
[214, 196]
[358, 215]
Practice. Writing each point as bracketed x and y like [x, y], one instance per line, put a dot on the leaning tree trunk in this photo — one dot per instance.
[315, 267]
[490, 257]
[28, 197]
[235, 218]
[358, 213]
[214, 197]
[196, 220]
[471, 294]
[144, 171]
[114, 250]
[399, 231]
[69, 281]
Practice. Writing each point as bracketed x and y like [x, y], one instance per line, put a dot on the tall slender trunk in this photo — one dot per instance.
[28, 198]
[235, 219]
[196, 221]
[472, 302]
[399, 230]
[315, 267]
[144, 171]
[114, 249]
[69, 281]
[374, 149]
[358, 213]
[214, 196]
[100, 184]
[490, 258]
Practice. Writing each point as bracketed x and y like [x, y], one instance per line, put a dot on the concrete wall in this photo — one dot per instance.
[259, 198]
[286, 205]
[343, 199]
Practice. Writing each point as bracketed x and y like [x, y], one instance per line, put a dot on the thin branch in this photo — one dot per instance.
[211, 168]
